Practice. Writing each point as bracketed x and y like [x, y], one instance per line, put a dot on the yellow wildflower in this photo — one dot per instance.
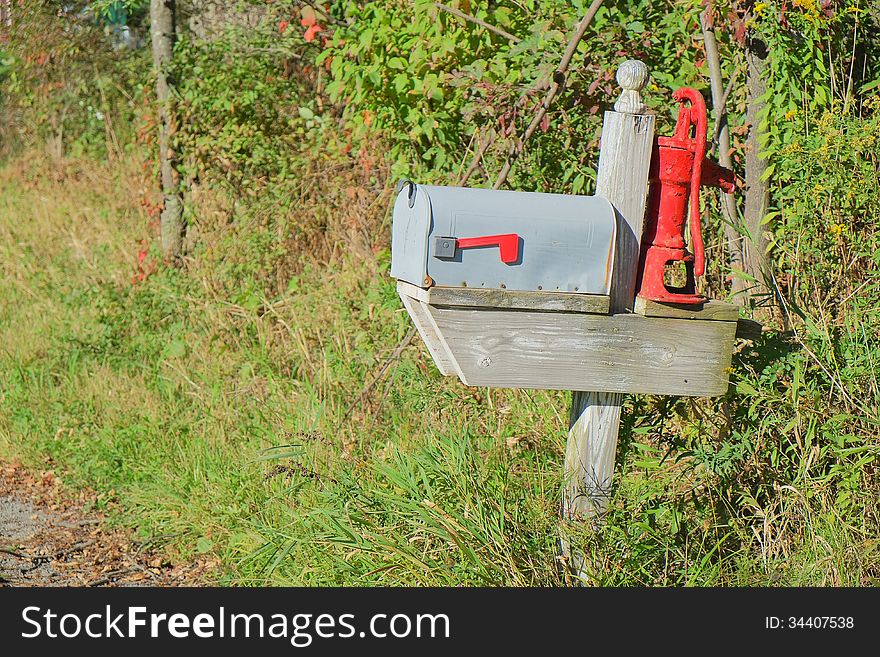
[790, 114]
[760, 7]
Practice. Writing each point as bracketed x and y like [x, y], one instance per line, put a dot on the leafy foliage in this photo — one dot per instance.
[437, 85]
[244, 137]
[60, 88]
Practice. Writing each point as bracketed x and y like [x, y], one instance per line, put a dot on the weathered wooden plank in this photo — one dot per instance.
[548, 301]
[413, 291]
[497, 298]
[577, 351]
[711, 310]
[442, 340]
[428, 332]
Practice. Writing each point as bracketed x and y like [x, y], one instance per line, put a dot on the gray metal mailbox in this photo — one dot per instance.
[483, 238]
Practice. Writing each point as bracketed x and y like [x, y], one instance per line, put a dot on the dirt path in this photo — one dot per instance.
[47, 539]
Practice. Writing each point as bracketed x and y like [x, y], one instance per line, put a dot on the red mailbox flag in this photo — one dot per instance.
[508, 244]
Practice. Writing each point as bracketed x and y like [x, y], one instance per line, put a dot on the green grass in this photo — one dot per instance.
[208, 409]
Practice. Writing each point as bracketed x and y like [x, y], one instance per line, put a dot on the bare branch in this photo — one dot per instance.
[398, 350]
[477, 21]
[478, 157]
[716, 130]
[721, 136]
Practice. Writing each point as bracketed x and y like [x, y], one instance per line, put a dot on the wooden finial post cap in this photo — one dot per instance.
[632, 76]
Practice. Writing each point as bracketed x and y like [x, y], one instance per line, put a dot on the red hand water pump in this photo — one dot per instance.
[678, 168]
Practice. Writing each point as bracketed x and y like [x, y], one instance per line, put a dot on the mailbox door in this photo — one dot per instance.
[409, 234]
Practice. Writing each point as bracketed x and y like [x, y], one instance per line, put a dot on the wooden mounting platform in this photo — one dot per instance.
[711, 310]
[508, 299]
[538, 347]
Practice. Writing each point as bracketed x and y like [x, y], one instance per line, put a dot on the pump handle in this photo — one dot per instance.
[694, 115]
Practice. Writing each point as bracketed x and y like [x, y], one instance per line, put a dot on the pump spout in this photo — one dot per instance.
[715, 175]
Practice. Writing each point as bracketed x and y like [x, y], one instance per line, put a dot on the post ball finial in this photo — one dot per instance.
[632, 76]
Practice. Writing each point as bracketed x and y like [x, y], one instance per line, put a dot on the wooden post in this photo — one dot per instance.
[757, 201]
[624, 161]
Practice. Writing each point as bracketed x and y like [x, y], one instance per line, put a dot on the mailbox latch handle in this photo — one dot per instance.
[508, 245]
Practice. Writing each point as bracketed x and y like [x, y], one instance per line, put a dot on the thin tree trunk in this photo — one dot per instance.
[728, 201]
[162, 28]
[757, 190]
